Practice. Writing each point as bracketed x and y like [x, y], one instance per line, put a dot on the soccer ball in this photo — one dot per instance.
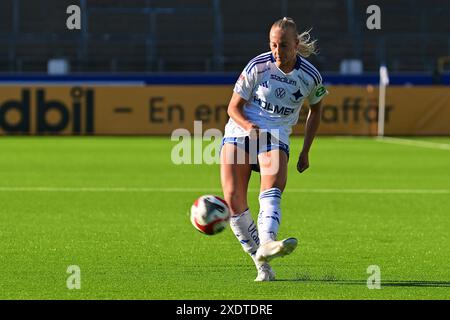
[210, 214]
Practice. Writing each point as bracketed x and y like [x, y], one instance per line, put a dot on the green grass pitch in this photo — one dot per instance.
[117, 208]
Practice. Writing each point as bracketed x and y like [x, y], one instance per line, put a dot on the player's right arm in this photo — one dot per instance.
[236, 112]
[242, 92]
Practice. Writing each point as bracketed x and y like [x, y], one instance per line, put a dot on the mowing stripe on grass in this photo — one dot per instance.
[414, 143]
[216, 190]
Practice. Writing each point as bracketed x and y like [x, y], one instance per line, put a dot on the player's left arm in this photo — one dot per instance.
[312, 124]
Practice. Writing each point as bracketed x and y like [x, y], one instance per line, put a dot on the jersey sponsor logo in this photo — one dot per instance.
[280, 93]
[283, 79]
[273, 108]
[320, 91]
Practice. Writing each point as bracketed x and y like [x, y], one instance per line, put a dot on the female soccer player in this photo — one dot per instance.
[264, 106]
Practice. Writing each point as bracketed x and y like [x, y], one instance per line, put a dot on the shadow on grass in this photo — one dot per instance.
[384, 283]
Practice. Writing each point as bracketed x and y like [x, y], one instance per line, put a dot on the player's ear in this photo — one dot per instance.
[297, 40]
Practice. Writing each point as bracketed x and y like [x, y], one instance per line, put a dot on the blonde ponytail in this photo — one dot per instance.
[306, 46]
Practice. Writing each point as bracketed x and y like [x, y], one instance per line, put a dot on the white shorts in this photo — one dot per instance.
[253, 147]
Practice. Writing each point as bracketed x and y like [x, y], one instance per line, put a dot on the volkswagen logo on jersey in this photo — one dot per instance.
[280, 93]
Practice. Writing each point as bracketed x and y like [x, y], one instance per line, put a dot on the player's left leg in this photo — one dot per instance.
[235, 177]
[273, 166]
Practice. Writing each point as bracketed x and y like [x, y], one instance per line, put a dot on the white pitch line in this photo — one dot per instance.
[374, 191]
[219, 191]
[414, 143]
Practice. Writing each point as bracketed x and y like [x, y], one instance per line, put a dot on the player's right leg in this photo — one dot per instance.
[235, 171]
[234, 175]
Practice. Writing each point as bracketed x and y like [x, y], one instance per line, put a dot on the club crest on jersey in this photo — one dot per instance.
[280, 93]
[297, 95]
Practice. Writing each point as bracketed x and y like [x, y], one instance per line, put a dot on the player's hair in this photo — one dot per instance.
[306, 46]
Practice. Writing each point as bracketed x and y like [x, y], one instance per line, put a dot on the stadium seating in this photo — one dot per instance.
[202, 35]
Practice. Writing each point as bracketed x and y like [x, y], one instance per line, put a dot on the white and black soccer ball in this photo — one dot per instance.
[210, 214]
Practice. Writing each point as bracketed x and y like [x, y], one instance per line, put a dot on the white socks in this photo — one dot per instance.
[269, 217]
[244, 228]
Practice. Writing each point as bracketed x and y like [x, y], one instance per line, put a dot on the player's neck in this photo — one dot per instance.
[286, 67]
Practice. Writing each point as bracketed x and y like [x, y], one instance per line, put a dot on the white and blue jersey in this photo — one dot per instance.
[274, 98]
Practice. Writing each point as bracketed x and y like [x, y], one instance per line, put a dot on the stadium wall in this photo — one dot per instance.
[139, 108]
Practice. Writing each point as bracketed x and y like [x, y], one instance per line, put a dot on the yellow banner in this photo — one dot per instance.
[158, 110]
